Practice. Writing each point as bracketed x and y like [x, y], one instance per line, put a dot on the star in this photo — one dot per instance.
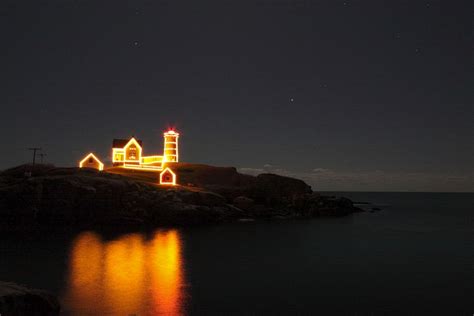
[291, 99]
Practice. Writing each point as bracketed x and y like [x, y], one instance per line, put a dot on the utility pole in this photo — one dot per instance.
[34, 149]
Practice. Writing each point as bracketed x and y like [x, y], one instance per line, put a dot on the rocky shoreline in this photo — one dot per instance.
[73, 197]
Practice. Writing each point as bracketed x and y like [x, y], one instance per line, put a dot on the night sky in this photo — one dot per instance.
[347, 95]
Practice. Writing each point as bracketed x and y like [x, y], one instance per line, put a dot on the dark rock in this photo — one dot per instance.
[243, 202]
[272, 189]
[20, 300]
[244, 220]
[202, 198]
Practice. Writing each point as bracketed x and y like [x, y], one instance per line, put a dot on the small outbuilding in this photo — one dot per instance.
[91, 161]
[167, 177]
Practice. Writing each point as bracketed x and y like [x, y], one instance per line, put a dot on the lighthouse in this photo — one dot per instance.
[170, 153]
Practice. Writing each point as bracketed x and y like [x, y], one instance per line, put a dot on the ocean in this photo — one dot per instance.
[413, 257]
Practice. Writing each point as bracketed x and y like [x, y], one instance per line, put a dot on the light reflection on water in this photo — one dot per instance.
[128, 275]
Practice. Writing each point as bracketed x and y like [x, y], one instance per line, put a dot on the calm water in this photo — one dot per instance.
[414, 257]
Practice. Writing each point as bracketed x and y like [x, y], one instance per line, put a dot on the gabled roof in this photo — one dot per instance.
[120, 143]
[167, 170]
[91, 155]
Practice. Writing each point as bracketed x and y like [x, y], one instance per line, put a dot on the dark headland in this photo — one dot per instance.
[72, 197]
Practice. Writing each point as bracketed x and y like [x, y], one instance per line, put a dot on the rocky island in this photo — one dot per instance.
[54, 196]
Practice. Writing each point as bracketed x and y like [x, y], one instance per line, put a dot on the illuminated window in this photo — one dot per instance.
[132, 152]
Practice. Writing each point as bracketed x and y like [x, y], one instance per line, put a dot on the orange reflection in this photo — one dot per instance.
[126, 276]
[165, 264]
[86, 266]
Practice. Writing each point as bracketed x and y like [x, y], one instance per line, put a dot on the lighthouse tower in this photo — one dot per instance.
[170, 153]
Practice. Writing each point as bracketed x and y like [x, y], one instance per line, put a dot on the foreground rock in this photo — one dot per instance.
[77, 197]
[20, 300]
